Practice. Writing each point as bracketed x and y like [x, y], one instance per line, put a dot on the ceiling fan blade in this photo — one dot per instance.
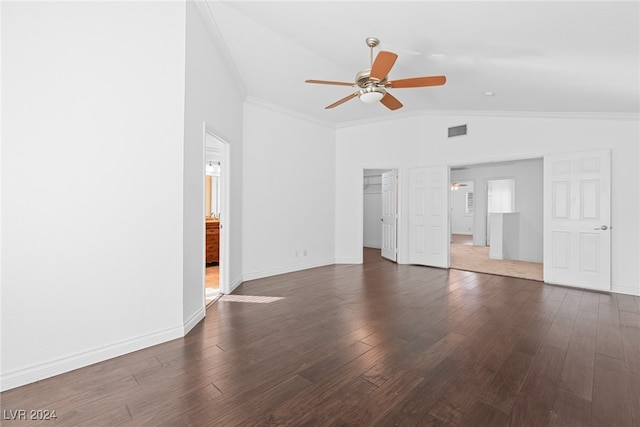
[327, 82]
[390, 102]
[345, 99]
[418, 82]
[382, 65]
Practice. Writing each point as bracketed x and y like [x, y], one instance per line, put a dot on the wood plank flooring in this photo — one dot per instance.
[377, 344]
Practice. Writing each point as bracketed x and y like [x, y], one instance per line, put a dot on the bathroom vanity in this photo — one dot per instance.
[212, 240]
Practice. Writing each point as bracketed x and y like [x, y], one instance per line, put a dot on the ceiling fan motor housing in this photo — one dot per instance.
[363, 79]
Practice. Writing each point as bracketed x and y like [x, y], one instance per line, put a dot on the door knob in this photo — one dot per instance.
[604, 227]
[382, 219]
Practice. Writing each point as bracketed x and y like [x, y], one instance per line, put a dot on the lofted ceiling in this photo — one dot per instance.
[501, 56]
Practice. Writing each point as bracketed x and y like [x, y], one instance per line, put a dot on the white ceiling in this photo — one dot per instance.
[540, 56]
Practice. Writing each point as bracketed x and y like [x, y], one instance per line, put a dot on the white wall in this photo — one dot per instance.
[288, 190]
[422, 140]
[92, 182]
[218, 87]
[220, 106]
[461, 222]
[528, 201]
[353, 154]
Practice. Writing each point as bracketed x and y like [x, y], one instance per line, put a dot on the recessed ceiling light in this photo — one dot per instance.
[437, 55]
[489, 93]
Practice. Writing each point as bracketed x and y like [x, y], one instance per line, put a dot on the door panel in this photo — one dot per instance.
[577, 215]
[389, 214]
[428, 216]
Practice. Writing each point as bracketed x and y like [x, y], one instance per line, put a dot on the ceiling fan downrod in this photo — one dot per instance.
[372, 42]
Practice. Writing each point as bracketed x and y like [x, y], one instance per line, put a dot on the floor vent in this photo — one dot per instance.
[457, 130]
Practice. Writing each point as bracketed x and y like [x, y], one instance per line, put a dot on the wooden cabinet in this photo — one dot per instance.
[212, 241]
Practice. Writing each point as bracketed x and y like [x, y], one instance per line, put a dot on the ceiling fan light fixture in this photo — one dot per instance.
[372, 94]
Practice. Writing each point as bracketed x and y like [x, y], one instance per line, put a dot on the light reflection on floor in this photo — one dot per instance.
[249, 298]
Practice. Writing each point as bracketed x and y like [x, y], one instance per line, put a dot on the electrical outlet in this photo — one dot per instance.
[304, 252]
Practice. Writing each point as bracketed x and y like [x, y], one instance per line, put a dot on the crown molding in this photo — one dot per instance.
[284, 110]
[496, 114]
[540, 114]
[466, 113]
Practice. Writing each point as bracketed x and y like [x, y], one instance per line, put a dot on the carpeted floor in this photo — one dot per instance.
[476, 258]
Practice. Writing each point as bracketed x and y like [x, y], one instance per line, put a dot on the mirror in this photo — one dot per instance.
[212, 190]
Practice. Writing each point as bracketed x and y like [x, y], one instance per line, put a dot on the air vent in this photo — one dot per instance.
[457, 131]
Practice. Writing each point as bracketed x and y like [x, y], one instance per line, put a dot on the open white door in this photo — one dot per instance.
[217, 148]
[428, 216]
[577, 219]
[389, 214]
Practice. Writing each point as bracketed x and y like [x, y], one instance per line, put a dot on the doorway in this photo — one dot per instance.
[461, 208]
[561, 219]
[490, 196]
[380, 207]
[216, 198]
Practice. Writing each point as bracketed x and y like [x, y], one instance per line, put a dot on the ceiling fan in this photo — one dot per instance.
[456, 185]
[373, 82]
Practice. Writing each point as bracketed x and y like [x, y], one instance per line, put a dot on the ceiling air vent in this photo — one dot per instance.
[457, 130]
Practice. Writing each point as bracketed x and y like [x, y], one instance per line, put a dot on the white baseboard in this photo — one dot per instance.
[235, 283]
[193, 320]
[286, 269]
[627, 290]
[52, 368]
[617, 289]
[348, 260]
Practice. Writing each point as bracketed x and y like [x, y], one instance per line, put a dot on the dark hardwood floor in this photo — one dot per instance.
[373, 344]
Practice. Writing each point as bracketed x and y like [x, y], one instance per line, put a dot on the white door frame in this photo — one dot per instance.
[224, 210]
[398, 209]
